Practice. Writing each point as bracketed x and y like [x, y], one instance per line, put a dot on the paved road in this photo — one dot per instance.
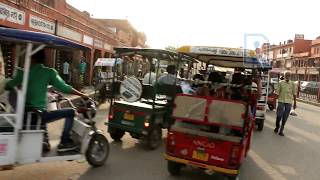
[294, 157]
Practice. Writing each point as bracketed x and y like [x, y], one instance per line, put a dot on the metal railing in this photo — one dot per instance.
[309, 93]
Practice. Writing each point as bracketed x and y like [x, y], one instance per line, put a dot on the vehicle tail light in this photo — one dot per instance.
[146, 124]
[184, 152]
[243, 116]
[171, 143]
[234, 156]
[110, 115]
[260, 108]
[146, 121]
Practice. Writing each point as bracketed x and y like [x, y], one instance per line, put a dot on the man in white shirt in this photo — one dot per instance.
[150, 77]
[170, 77]
[66, 67]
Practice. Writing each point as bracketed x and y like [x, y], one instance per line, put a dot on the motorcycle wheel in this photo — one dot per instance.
[98, 150]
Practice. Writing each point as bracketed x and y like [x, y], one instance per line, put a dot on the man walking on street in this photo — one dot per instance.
[287, 93]
[82, 70]
[66, 68]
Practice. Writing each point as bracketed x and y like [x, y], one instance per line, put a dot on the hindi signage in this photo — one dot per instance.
[221, 51]
[68, 33]
[98, 43]
[11, 14]
[87, 40]
[41, 24]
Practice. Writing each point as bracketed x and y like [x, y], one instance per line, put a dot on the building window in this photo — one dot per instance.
[317, 50]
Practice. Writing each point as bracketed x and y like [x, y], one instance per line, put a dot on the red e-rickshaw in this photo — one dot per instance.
[210, 133]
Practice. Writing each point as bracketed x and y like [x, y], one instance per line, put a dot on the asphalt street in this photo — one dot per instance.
[272, 157]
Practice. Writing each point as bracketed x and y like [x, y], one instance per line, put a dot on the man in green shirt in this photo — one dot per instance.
[36, 97]
[287, 93]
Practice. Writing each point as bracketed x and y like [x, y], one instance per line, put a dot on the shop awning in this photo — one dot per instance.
[107, 61]
[18, 35]
[225, 57]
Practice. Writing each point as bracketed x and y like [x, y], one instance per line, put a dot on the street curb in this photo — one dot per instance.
[309, 102]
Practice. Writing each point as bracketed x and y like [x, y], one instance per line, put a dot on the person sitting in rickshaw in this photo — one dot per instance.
[200, 88]
[254, 96]
[36, 98]
[197, 78]
[170, 77]
[150, 77]
[217, 90]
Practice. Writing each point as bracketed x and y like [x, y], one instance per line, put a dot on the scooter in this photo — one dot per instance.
[92, 144]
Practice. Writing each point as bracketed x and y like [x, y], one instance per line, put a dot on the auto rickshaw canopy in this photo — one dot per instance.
[23, 36]
[226, 57]
[109, 62]
[153, 53]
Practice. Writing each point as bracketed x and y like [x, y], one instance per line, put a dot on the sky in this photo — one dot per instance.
[227, 23]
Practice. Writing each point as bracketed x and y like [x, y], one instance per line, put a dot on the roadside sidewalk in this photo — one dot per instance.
[309, 102]
[89, 90]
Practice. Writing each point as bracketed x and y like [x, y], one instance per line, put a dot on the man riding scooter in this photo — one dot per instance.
[36, 98]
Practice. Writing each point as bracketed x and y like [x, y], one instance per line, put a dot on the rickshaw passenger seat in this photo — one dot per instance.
[33, 120]
[148, 91]
[5, 127]
[168, 90]
[116, 87]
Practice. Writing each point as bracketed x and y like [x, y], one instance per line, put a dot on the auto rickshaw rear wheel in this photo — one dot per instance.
[271, 107]
[153, 139]
[233, 177]
[260, 125]
[174, 168]
[98, 150]
[116, 134]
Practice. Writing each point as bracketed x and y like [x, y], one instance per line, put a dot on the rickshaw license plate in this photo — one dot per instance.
[200, 156]
[128, 116]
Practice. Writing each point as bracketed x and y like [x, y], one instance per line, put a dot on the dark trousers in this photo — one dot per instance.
[283, 112]
[66, 78]
[51, 116]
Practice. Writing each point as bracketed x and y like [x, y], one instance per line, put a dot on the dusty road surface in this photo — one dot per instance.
[293, 157]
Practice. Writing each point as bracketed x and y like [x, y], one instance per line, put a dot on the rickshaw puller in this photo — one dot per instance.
[287, 93]
[36, 98]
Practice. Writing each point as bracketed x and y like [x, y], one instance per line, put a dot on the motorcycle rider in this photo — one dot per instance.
[40, 77]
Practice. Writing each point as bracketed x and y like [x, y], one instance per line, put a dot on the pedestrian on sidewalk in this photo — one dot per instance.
[82, 70]
[287, 94]
[66, 67]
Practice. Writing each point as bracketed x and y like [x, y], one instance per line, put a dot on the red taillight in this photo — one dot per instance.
[234, 156]
[243, 116]
[260, 108]
[171, 143]
[110, 117]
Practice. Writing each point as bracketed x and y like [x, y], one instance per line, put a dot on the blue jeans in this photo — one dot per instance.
[51, 116]
[283, 112]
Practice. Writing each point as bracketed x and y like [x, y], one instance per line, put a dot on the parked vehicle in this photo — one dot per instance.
[22, 136]
[263, 101]
[303, 86]
[312, 88]
[272, 96]
[211, 133]
[105, 84]
[144, 109]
